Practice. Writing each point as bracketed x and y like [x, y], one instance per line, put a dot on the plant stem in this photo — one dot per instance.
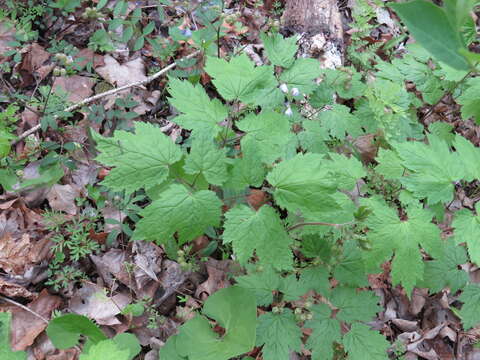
[317, 223]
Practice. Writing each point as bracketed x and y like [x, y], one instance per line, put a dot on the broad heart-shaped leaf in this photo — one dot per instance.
[279, 334]
[362, 343]
[169, 350]
[340, 122]
[304, 184]
[434, 169]
[234, 309]
[280, 51]
[302, 75]
[268, 134]
[430, 26]
[470, 311]
[199, 112]
[326, 331]
[207, 159]
[260, 231]
[178, 210]
[470, 101]
[5, 350]
[444, 271]
[389, 234]
[141, 160]
[64, 331]
[127, 341]
[467, 230]
[239, 79]
[106, 349]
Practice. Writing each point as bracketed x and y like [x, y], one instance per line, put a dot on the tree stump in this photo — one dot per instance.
[320, 25]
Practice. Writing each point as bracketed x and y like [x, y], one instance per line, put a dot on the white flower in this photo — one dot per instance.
[284, 88]
[295, 92]
[289, 111]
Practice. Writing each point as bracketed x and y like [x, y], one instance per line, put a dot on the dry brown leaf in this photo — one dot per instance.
[92, 301]
[217, 278]
[27, 326]
[77, 87]
[13, 290]
[86, 55]
[32, 62]
[122, 74]
[62, 198]
[7, 34]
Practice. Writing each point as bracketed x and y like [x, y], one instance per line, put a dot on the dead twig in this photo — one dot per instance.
[13, 302]
[107, 93]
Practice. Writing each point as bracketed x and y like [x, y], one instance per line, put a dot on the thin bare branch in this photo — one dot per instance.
[13, 302]
[107, 93]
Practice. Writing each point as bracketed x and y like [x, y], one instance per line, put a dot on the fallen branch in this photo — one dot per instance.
[107, 93]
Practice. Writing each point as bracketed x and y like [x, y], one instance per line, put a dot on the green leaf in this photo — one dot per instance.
[346, 82]
[443, 131]
[247, 171]
[316, 278]
[139, 43]
[5, 350]
[302, 75]
[362, 343]
[430, 26]
[389, 164]
[470, 101]
[279, 334]
[141, 160]
[313, 137]
[64, 331]
[350, 268]
[207, 159]
[388, 234]
[235, 310]
[169, 350]
[240, 80]
[340, 122]
[5, 139]
[467, 230]
[470, 311]
[346, 170]
[49, 175]
[354, 305]
[179, 210]
[468, 155]
[106, 349]
[262, 284]
[304, 184]
[267, 133]
[326, 331]
[199, 112]
[127, 341]
[434, 169]
[444, 271]
[261, 231]
[280, 51]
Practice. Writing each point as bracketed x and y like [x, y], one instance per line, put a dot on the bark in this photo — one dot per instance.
[320, 25]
